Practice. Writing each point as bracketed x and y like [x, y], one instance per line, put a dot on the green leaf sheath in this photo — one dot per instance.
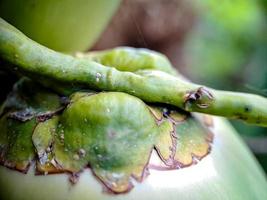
[66, 73]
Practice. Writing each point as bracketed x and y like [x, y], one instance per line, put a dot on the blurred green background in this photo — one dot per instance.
[228, 49]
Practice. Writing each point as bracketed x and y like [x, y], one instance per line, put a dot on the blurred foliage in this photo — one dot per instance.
[224, 40]
[228, 50]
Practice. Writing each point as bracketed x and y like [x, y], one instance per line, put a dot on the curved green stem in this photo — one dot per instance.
[60, 72]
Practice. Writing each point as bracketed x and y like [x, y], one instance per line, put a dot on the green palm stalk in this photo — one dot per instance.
[67, 73]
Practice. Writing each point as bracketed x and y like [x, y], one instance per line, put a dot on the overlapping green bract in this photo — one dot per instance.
[112, 133]
[27, 104]
[29, 100]
[16, 149]
[115, 135]
[182, 139]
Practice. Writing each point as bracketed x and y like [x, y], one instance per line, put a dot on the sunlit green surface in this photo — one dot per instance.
[63, 25]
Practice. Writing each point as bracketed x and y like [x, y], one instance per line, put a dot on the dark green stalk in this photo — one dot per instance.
[60, 71]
